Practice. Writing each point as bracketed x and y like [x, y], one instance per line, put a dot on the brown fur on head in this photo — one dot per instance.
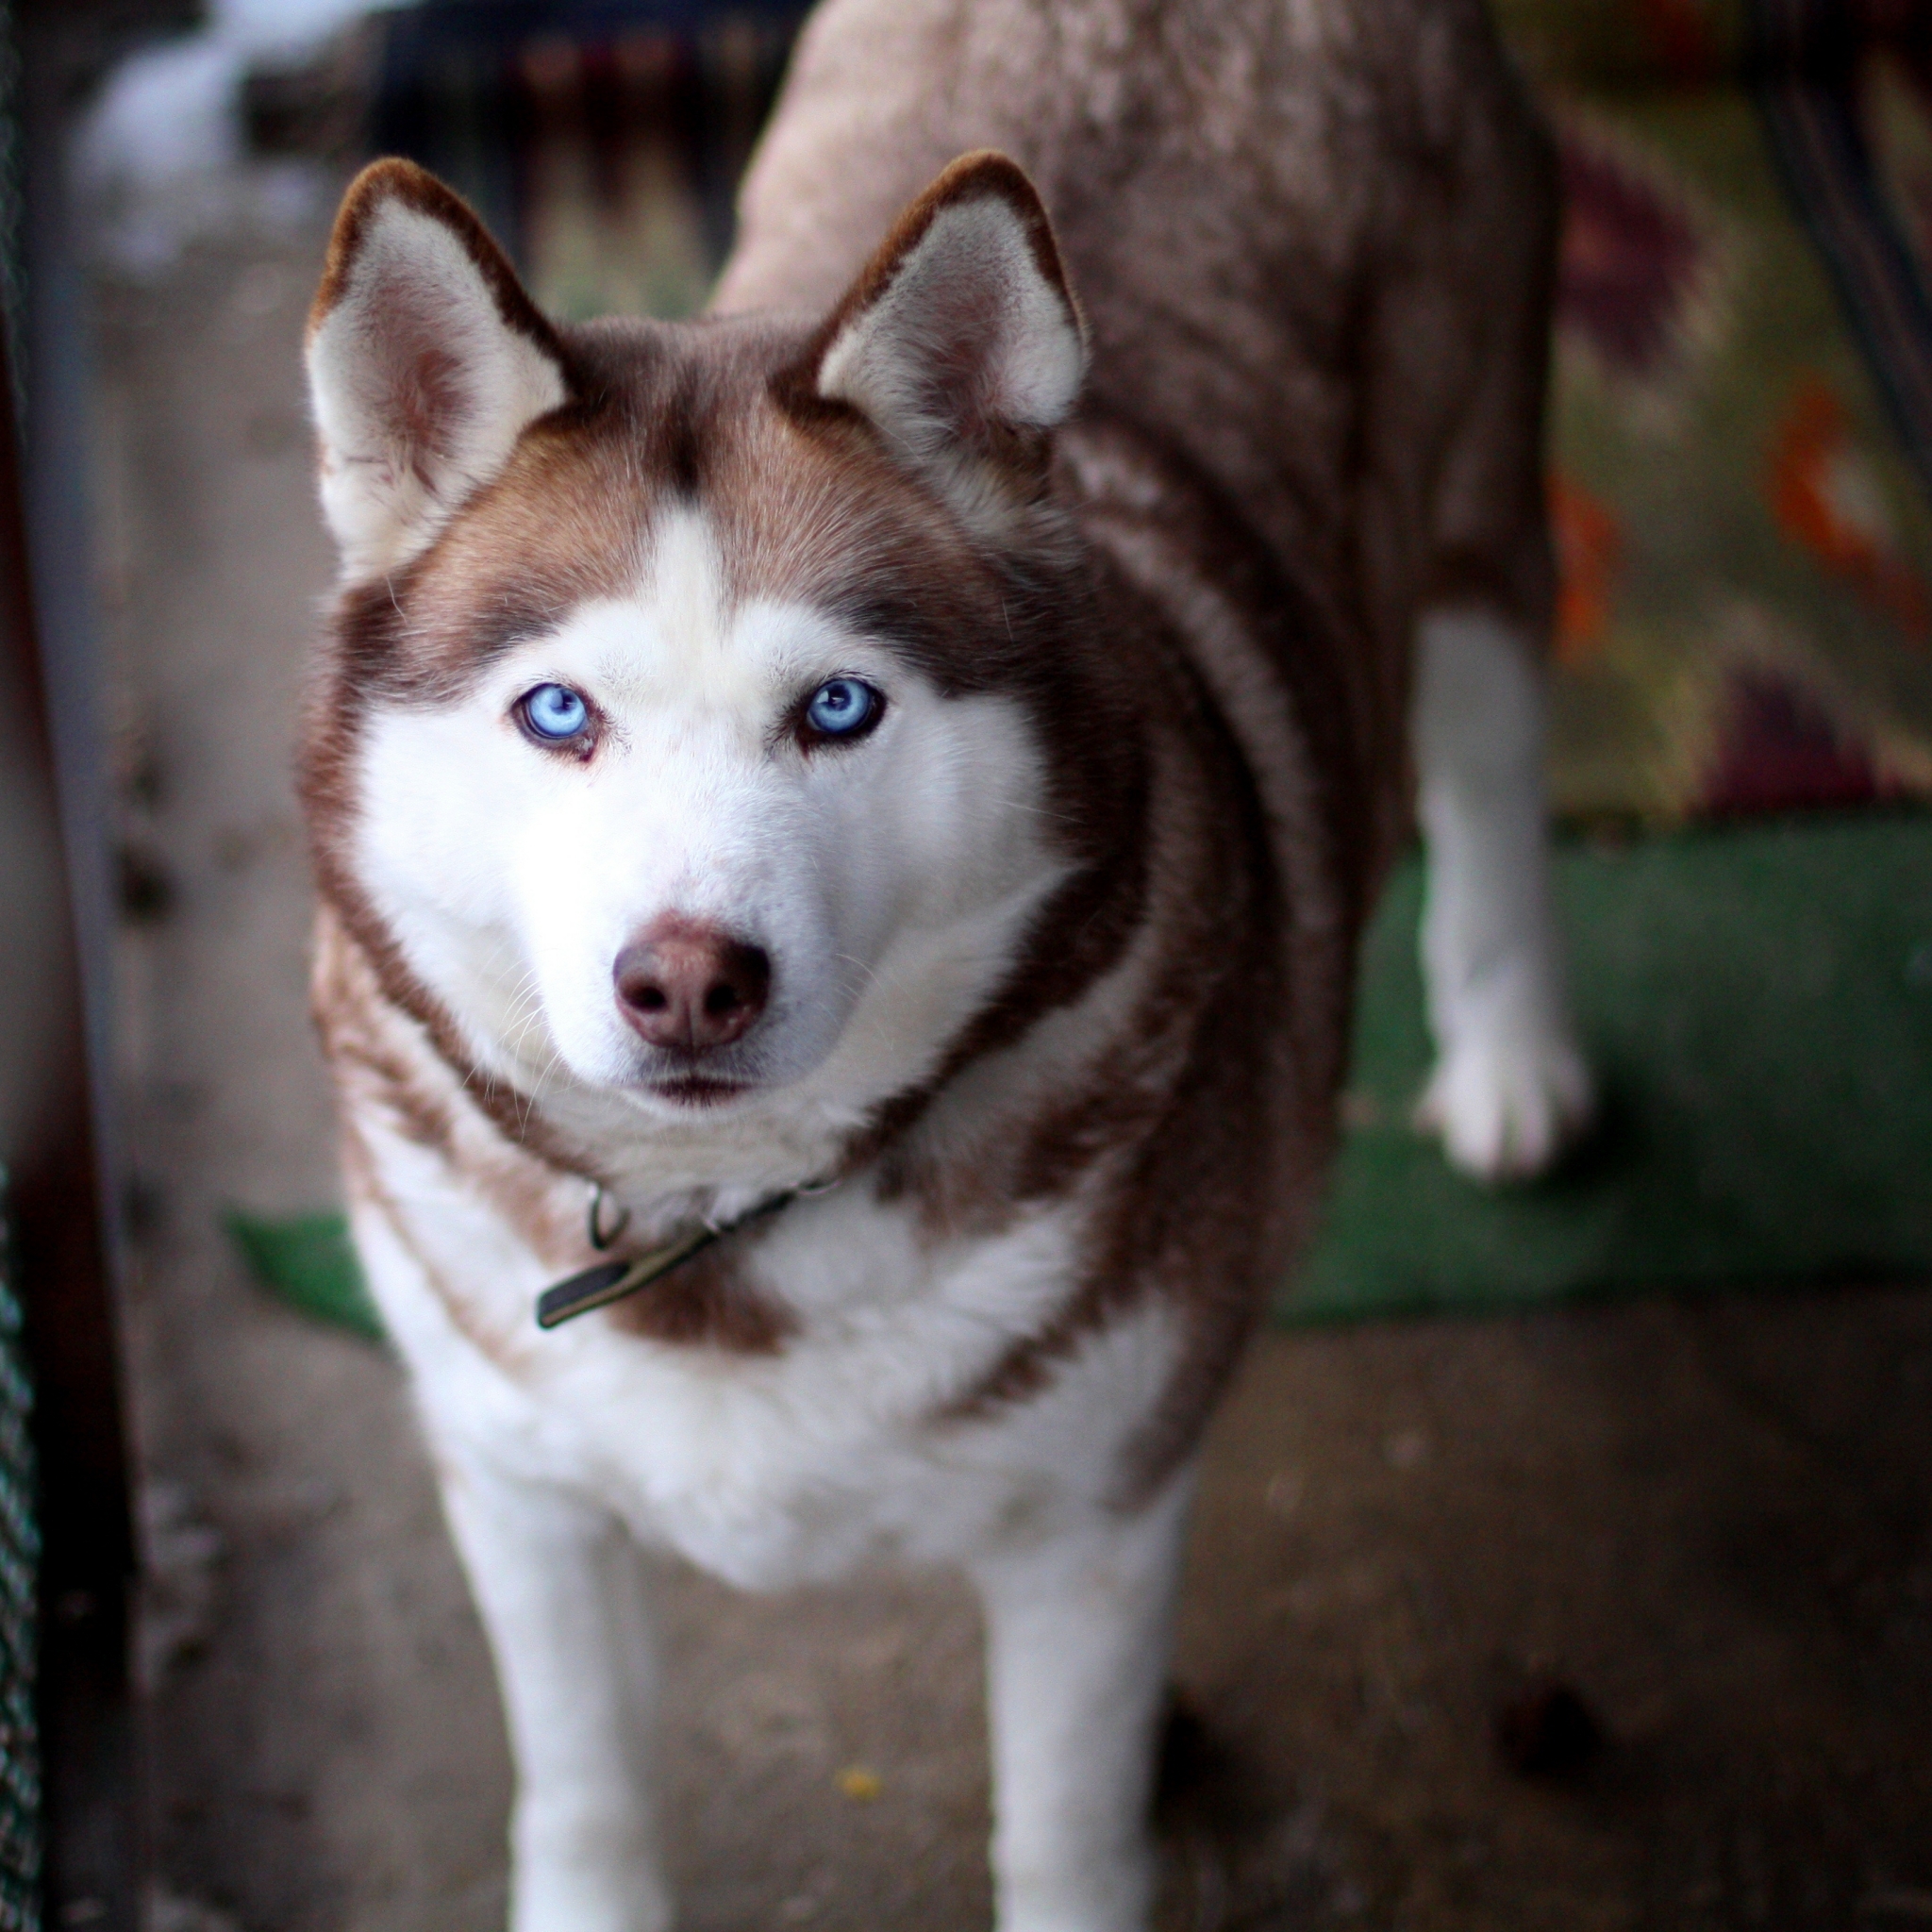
[888, 466]
[960, 340]
[959, 345]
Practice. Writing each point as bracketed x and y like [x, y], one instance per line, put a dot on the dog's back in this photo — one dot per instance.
[1314, 243]
[1313, 240]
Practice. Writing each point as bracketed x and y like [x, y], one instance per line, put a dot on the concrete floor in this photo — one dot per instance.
[1715, 1521]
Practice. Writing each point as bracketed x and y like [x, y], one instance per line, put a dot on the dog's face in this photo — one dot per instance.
[673, 837]
[693, 726]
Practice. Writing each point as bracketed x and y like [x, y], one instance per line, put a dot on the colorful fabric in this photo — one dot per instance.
[1742, 424]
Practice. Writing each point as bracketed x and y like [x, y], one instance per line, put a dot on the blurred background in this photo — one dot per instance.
[1565, 1556]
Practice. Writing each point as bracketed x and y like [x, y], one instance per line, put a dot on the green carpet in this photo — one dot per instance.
[1758, 1002]
[306, 1260]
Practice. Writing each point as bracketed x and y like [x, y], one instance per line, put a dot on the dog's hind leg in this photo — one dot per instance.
[561, 1590]
[1077, 1639]
[1509, 1087]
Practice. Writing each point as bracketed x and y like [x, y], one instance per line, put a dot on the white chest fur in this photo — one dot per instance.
[838, 1448]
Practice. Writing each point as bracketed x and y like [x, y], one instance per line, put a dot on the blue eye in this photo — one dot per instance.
[554, 711]
[843, 708]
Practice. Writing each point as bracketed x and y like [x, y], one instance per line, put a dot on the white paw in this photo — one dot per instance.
[1506, 1104]
[547, 1896]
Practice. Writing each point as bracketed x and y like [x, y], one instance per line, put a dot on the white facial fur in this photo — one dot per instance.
[890, 879]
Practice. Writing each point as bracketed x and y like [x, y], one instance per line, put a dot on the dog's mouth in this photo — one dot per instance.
[697, 1089]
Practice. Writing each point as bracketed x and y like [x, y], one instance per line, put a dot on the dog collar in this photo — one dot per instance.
[598, 1286]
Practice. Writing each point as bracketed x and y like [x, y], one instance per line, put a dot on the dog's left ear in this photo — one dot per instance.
[961, 330]
[427, 362]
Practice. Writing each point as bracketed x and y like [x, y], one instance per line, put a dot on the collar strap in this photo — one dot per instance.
[611, 1281]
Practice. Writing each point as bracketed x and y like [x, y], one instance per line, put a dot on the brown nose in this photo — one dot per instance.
[690, 987]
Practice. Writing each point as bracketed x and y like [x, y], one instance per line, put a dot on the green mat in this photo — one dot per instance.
[307, 1261]
[1758, 1002]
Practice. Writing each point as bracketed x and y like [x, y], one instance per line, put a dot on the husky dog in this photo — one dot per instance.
[844, 826]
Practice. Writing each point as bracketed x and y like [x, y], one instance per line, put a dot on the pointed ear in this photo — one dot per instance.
[426, 361]
[962, 329]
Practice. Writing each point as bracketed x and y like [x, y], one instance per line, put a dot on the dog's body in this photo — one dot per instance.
[1045, 960]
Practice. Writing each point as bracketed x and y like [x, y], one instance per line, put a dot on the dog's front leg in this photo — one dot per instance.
[1077, 1636]
[561, 1591]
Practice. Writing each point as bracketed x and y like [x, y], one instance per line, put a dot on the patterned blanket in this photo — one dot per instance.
[1741, 439]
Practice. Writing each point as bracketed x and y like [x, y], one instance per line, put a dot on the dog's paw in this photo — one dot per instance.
[549, 1898]
[1507, 1105]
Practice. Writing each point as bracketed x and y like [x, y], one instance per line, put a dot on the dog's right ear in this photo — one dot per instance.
[426, 361]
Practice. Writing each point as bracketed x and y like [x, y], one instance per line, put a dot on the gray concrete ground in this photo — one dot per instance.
[1715, 1523]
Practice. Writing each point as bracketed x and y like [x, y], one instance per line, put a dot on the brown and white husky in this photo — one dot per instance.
[844, 826]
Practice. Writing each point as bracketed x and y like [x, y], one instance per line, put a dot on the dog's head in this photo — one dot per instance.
[712, 710]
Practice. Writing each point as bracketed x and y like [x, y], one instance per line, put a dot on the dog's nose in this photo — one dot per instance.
[690, 987]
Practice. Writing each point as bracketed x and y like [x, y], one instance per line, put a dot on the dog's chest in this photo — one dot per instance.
[854, 1436]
